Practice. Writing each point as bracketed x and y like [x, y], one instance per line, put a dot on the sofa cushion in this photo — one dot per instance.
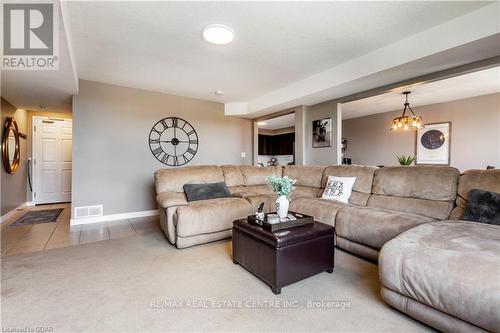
[196, 192]
[420, 182]
[430, 208]
[306, 192]
[373, 226]
[269, 201]
[359, 198]
[486, 180]
[363, 174]
[253, 175]
[173, 180]
[451, 266]
[424, 190]
[201, 217]
[321, 210]
[171, 199]
[232, 175]
[306, 175]
[246, 191]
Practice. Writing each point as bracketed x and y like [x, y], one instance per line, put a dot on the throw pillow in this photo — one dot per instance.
[195, 192]
[338, 188]
[483, 207]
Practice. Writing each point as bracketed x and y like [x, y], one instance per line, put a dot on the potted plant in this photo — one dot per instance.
[406, 160]
[283, 187]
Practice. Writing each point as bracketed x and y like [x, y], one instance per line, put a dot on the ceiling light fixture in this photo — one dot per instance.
[218, 34]
[261, 123]
[219, 92]
[406, 122]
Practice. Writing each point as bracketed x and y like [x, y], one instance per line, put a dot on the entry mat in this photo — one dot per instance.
[38, 216]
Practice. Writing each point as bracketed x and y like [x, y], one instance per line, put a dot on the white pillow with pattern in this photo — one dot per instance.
[338, 188]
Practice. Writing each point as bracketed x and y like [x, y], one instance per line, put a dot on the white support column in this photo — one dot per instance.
[339, 133]
[255, 155]
[300, 121]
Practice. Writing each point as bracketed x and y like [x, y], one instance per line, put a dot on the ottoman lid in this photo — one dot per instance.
[284, 237]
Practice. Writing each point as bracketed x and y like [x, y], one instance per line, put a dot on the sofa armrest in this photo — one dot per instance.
[170, 199]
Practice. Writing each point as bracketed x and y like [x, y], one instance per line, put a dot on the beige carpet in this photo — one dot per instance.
[129, 284]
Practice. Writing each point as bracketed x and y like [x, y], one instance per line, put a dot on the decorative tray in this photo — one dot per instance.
[292, 220]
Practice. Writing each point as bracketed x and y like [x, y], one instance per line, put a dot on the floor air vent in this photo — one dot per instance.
[88, 211]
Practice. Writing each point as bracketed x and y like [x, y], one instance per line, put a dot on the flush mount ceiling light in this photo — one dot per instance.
[261, 123]
[406, 122]
[218, 34]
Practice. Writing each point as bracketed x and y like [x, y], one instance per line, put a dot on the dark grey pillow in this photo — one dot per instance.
[483, 207]
[195, 192]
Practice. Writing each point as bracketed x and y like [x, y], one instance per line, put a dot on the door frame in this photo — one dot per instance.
[34, 156]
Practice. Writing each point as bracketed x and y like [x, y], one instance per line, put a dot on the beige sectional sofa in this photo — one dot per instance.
[447, 273]
[444, 273]
[384, 202]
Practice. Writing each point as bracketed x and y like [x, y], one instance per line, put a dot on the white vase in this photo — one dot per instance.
[282, 204]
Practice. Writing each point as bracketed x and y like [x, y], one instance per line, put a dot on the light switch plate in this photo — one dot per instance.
[243, 154]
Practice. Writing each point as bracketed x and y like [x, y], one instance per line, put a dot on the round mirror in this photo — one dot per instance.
[10, 146]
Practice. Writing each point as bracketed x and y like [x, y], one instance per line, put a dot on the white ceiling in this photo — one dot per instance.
[279, 122]
[283, 54]
[158, 45]
[474, 84]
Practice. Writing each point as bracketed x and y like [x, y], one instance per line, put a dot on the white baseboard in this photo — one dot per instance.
[13, 212]
[113, 217]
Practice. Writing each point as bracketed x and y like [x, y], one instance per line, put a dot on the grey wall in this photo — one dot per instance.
[475, 136]
[112, 162]
[325, 155]
[14, 185]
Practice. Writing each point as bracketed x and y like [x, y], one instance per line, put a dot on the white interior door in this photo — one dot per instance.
[52, 160]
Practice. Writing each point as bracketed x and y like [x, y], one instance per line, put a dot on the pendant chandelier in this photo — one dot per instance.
[406, 122]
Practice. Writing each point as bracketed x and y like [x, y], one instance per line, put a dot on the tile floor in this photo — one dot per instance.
[39, 237]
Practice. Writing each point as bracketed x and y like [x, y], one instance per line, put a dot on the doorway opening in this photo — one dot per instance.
[276, 141]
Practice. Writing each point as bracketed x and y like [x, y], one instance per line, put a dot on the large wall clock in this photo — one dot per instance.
[173, 141]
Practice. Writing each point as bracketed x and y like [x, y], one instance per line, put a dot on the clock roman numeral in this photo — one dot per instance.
[185, 159]
[154, 141]
[164, 123]
[174, 122]
[193, 142]
[176, 160]
[157, 151]
[191, 132]
[155, 130]
[191, 151]
[164, 159]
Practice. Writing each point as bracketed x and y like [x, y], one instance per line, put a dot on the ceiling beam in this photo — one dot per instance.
[428, 78]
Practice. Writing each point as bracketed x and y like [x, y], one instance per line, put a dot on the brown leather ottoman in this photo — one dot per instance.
[285, 256]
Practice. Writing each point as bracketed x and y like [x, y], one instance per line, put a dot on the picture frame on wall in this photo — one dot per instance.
[433, 144]
[322, 133]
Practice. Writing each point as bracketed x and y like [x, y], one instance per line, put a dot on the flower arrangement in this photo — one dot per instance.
[281, 185]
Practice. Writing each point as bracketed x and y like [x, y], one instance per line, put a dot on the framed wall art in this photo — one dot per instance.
[322, 133]
[433, 144]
